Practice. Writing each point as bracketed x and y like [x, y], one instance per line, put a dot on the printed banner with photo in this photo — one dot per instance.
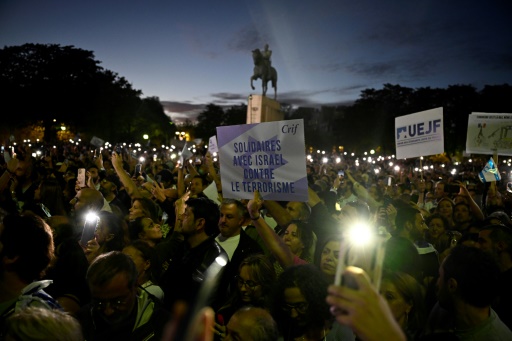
[419, 134]
[489, 132]
[268, 157]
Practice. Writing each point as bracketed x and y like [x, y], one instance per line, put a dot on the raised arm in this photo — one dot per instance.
[126, 180]
[473, 206]
[274, 243]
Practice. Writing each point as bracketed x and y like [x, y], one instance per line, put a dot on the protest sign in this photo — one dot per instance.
[97, 142]
[212, 145]
[488, 133]
[268, 157]
[419, 134]
[185, 154]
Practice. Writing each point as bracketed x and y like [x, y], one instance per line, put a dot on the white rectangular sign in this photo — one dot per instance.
[489, 132]
[269, 157]
[419, 134]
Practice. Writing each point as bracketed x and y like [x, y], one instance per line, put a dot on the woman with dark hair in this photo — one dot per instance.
[108, 236]
[48, 197]
[143, 255]
[143, 207]
[144, 228]
[254, 283]
[289, 249]
[439, 234]
[328, 255]
[405, 297]
[445, 208]
[299, 307]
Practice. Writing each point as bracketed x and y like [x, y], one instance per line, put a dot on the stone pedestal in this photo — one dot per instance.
[263, 109]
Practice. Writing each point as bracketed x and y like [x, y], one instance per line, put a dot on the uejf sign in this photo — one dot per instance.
[419, 134]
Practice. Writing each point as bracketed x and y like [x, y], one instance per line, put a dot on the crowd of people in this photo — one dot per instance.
[150, 248]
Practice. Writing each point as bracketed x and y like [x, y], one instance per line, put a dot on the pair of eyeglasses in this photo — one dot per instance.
[300, 307]
[249, 284]
[116, 304]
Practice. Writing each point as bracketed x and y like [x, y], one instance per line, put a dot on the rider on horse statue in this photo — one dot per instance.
[263, 69]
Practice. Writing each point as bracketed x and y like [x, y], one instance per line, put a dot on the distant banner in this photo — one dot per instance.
[489, 132]
[419, 134]
[268, 157]
[97, 142]
[212, 145]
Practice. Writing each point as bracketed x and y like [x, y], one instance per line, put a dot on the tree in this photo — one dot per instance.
[66, 84]
[215, 116]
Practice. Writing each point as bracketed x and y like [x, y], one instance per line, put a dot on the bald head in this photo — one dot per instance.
[87, 199]
[252, 324]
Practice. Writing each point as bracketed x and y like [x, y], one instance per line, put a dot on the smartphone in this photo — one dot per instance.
[45, 210]
[159, 179]
[81, 177]
[341, 173]
[138, 169]
[90, 225]
[368, 256]
[390, 181]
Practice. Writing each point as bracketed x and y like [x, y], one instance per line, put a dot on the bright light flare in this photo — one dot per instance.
[360, 234]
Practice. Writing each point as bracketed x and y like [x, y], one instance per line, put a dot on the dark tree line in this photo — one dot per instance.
[370, 121]
[43, 83]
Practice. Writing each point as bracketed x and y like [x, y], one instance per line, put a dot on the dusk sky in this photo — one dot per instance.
[191, 53]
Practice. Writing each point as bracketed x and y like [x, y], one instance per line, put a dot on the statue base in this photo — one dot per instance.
[263, 109]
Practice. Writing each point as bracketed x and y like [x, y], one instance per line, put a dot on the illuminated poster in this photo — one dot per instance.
[268, 157]
[419, 134]
[489, 133]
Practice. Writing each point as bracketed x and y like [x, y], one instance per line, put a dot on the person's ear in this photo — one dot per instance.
[501, 246]
[200, 222]
[452, 285]
[147, 264]
[408, 226]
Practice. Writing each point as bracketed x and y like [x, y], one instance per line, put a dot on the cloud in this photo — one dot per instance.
[229, 96]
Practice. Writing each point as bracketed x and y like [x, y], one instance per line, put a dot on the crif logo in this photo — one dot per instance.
[418, 129]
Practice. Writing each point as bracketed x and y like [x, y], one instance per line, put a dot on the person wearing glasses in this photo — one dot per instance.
[118, 310]
[254, 282]
[299, 307]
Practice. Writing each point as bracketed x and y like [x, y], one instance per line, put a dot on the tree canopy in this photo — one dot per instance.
[66, 85]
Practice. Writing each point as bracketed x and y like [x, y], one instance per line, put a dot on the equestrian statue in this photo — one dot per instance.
[263, 69]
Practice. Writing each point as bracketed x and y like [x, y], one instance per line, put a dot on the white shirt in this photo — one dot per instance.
[228, 244]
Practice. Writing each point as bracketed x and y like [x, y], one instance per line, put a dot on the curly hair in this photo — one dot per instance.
[313, 286]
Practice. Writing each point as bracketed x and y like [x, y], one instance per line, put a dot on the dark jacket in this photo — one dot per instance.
[183, 271]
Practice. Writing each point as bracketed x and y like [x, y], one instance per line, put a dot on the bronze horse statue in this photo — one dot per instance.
[264, 71]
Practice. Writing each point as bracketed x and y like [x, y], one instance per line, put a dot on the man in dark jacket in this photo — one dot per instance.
[184, 264]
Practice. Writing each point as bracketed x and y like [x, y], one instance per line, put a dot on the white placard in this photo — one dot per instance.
[489, 132]
[212, 145]
[419, 134]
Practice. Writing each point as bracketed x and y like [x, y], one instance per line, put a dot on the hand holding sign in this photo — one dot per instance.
[254, 205]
